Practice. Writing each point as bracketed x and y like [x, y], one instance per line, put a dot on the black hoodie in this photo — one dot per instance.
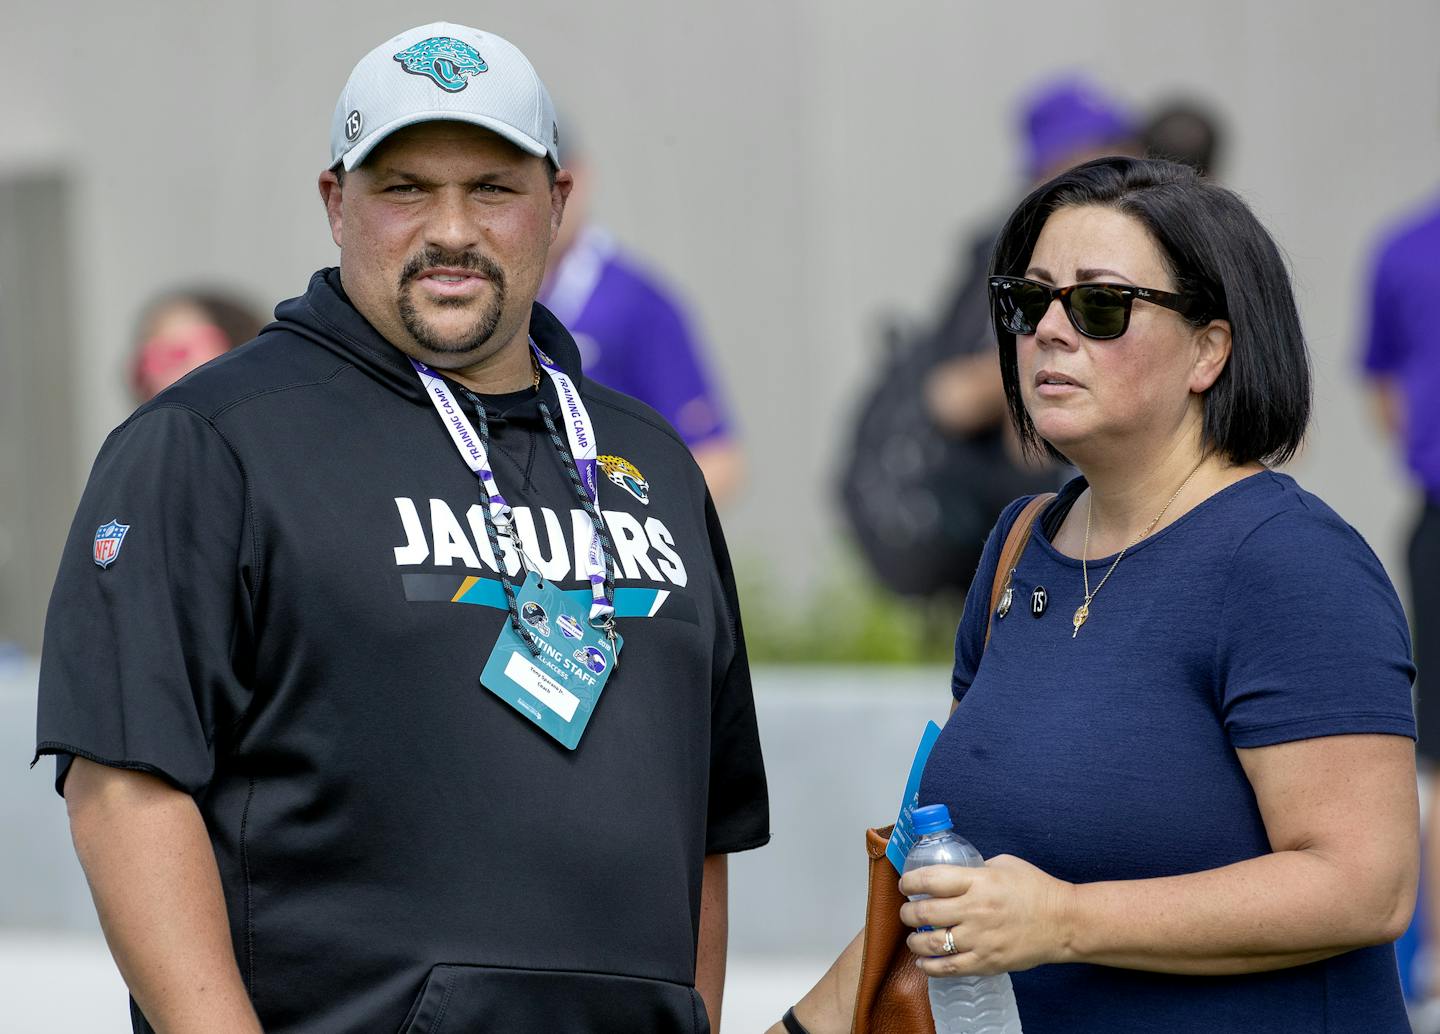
[282, 631]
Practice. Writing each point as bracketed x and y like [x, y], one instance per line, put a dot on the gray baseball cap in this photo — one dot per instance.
[443, 72]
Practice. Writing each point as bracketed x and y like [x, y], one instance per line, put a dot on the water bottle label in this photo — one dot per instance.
[904, 834]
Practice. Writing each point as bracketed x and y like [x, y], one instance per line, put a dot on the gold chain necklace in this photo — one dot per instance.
[1083, 611]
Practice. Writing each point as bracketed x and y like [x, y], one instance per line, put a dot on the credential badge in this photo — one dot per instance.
[108, 538]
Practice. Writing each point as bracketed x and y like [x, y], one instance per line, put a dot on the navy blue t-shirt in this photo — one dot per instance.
[1257, 618]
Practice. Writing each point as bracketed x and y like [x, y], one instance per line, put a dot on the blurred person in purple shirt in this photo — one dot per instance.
[1402, 361]
[635, 334]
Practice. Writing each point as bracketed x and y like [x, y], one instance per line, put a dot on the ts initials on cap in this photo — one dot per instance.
[353, 124]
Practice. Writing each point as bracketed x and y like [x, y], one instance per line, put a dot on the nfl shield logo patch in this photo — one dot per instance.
[107, 542]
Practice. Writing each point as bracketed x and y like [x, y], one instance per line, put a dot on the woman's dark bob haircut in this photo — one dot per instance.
[1215, 249]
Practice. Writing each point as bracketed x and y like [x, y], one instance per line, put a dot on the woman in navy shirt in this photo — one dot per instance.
[1187, 750]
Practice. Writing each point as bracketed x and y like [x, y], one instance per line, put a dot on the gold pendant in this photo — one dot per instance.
[1081, 613]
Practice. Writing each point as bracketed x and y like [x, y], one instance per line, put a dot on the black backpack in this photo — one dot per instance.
[920, 501]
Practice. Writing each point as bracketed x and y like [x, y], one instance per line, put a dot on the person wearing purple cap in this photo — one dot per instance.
[941, 403]
[1401, 360]
[1070, 120]
[1065, 122]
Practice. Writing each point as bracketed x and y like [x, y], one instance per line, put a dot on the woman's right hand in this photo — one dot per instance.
[1006, 916]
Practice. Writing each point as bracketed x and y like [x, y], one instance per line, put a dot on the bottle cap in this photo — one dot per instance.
[932, 818]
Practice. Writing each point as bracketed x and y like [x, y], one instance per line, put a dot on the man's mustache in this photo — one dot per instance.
[470, 261]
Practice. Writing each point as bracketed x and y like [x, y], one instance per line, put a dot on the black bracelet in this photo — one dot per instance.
[791, 1024]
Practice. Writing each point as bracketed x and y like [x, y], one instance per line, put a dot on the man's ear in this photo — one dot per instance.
[1212, 352]
[331, 193]
[559, 194]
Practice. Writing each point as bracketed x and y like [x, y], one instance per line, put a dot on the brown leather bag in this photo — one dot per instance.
[893, 997]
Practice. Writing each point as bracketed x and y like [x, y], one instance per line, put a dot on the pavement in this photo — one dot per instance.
[61, 982]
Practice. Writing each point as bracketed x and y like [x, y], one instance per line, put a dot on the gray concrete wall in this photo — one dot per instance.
[798, 165]
[838, 746]
[41, 884]
[38, 433]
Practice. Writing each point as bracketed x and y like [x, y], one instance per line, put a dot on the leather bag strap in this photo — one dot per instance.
[1014, 546]
[892, 995]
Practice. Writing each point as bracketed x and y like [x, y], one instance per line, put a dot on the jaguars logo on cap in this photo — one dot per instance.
[448, 62]
[623, 473]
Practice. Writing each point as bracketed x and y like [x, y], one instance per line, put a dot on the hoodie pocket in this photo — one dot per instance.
[457, 999]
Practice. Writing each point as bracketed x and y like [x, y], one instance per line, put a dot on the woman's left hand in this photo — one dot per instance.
[1005, 917]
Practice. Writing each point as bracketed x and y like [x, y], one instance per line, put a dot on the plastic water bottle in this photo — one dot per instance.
[960, 1005]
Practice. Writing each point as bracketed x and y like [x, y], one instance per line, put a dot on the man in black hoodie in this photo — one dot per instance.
[394, 671]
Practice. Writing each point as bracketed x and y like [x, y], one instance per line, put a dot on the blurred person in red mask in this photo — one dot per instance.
[183, 330]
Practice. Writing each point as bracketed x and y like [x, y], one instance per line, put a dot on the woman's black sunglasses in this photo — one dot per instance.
[1099, 311]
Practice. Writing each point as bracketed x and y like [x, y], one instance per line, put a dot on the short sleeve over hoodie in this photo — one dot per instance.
[292, 630]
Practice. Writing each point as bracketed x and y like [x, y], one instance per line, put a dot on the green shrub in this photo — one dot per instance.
[847, 618]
